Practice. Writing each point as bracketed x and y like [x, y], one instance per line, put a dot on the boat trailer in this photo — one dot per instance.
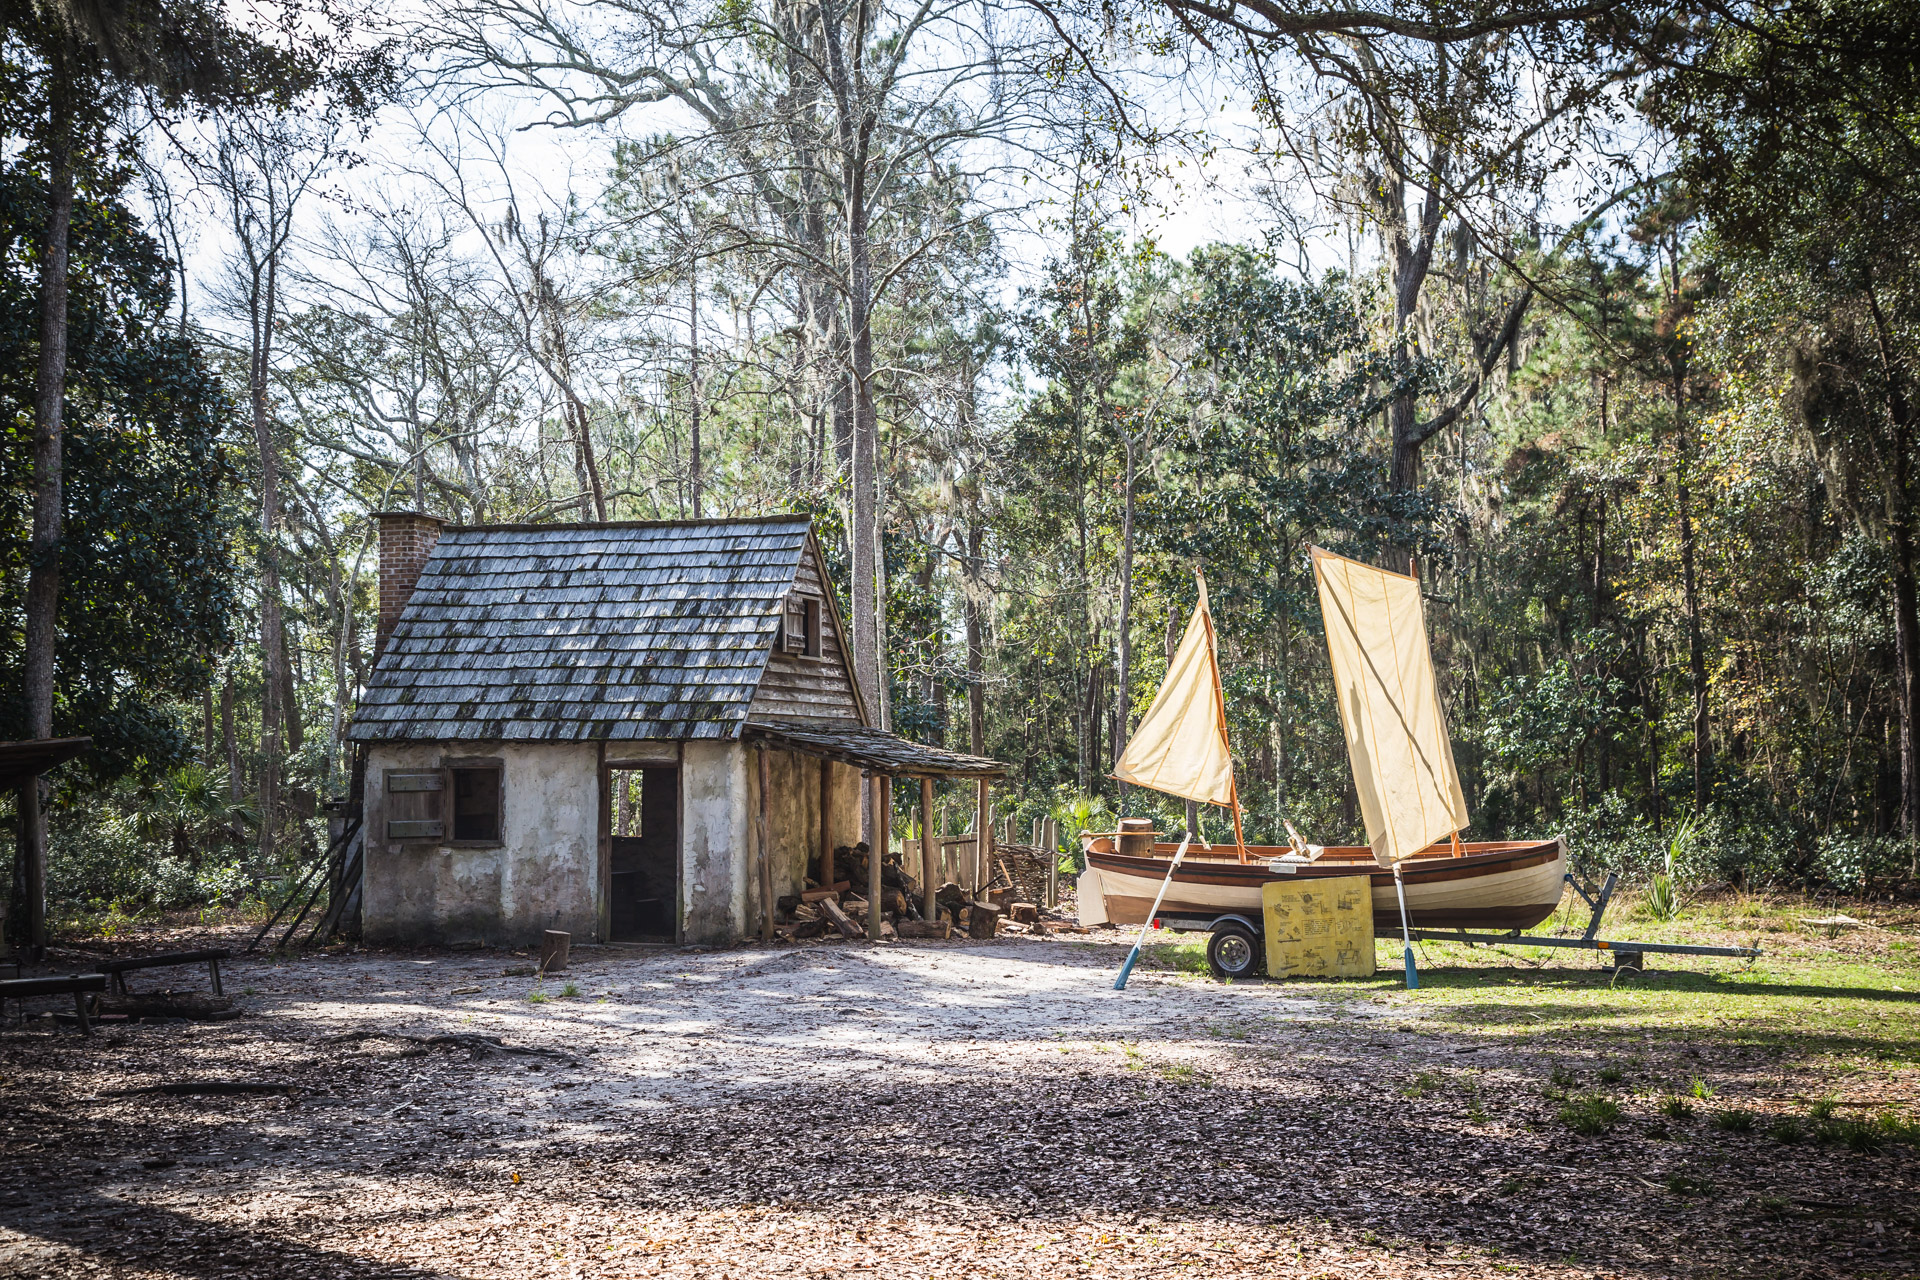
[1626, 955]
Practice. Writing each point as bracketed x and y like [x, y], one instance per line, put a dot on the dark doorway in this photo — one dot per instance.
[646, 854]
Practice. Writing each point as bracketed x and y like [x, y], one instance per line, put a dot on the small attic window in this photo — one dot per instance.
[800, 625]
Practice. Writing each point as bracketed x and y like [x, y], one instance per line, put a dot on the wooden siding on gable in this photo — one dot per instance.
[796, 687]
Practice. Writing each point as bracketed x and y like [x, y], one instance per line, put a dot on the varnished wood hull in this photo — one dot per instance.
[1495, 885]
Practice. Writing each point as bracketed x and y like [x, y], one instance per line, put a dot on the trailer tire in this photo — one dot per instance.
[1233, 951]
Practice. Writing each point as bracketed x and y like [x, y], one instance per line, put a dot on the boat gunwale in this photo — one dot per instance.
[1478, 858]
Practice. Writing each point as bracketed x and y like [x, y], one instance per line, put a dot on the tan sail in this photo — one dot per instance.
[1389, 706]
[1180, 747]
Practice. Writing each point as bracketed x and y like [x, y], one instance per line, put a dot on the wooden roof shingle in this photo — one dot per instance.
[568, 633]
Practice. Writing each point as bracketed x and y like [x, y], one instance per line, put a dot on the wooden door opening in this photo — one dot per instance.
[646, 854]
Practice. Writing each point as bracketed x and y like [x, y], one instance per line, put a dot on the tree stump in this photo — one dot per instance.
[983, 920]
[554, 946]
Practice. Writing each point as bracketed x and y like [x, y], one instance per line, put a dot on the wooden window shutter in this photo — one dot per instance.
[416, 804]
[794, 626]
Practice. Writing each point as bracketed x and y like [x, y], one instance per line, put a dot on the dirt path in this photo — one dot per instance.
[912, 1110]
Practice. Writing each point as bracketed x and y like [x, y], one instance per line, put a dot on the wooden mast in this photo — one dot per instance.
[1220, 704]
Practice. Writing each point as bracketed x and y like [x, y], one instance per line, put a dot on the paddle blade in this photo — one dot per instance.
[1120, 983]
[1413, 975]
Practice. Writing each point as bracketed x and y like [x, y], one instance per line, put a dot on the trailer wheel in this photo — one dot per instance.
[1233, 951]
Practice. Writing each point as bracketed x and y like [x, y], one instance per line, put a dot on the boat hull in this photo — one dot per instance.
[1493, 885]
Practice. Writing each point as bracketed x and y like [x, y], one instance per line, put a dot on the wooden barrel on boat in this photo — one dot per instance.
[1137, 837]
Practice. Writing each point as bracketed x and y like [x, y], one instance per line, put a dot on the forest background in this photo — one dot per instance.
[1604, 314]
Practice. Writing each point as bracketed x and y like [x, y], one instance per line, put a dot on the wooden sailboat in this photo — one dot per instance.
[1403, 770]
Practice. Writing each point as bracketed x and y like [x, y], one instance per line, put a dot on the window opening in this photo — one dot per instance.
[476, 804]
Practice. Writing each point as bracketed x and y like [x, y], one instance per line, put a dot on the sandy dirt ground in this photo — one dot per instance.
[927, 1109]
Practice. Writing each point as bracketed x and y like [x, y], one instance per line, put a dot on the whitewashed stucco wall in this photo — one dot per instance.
[545, 873]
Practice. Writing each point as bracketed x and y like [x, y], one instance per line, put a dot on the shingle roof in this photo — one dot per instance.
[569, 633]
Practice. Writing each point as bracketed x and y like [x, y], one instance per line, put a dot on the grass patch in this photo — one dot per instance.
[1590, 1116]
[1611, 1074]
[1855, 997]
[1786, 1129]
[1184, 1073]
[1735, 1120]
[1687, 1184]
[569, 991]
[537, 996]
[1675, 1107]
[1422, 1085]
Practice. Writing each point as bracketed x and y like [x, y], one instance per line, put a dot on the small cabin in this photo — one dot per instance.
[645, 731]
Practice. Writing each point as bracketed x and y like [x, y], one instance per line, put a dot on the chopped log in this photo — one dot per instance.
[841, 920]
[983, 920]
[1023, 912]
[833, 890]
[925, 929]
[887, 932]
[554, 946]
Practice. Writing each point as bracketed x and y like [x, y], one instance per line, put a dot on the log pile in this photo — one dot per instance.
[1010, 904]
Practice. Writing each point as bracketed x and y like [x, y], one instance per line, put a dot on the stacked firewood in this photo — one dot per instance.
[841, 907]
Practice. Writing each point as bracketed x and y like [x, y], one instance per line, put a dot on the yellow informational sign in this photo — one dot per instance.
[1320, 928]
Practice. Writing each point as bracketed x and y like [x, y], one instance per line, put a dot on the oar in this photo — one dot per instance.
[1399, 886]
[1120, 983]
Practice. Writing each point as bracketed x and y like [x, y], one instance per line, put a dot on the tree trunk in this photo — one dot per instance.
[693, 386]
[976, 646]
[44, 548]
[1122, 685]
[273, 655]
[1696, 645]
[230, 741]
[1906, 614]
[1603, 755]
[864, 535]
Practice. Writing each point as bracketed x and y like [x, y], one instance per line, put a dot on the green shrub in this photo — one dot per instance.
[1852, 864]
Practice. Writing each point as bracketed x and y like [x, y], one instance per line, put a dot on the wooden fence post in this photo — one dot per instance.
[876, 853]
[982, 841]
[928, 848]
[1050, 841]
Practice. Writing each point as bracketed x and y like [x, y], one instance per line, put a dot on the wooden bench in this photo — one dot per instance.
[118, 969]
[80, 984]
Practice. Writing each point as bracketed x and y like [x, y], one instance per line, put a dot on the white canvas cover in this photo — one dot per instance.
[1389, 706]
[1179, 748]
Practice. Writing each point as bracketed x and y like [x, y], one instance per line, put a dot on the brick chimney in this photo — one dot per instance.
[407, 538]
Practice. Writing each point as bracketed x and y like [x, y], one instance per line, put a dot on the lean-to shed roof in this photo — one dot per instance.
[567, 633]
